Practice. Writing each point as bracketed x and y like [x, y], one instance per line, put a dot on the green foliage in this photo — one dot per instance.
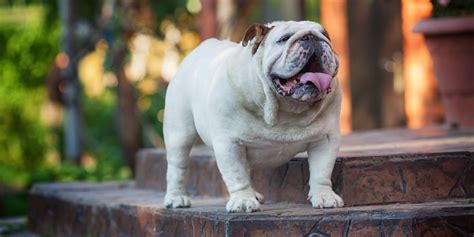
[13, 204]
[157, 104]
[28, 54]
[28, 51]
[12, 226]
[454, 8]
[312, 10]
[166, 8]
[102, 139]
[30, 149]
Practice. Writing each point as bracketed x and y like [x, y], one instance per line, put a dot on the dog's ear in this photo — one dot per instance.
[258, 31]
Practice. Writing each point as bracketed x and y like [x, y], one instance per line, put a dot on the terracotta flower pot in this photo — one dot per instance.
[451, 44]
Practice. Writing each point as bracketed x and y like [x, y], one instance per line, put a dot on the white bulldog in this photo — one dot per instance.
[256, 104]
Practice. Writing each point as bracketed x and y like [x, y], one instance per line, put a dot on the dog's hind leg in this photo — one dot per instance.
[179, 134]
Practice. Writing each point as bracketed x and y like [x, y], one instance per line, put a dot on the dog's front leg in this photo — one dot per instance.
[232, 162]
[321, 159]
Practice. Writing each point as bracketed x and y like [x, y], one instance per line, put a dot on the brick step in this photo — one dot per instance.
[120, 209]
[376, 167]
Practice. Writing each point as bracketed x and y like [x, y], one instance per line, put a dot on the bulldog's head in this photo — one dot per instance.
[296, 58]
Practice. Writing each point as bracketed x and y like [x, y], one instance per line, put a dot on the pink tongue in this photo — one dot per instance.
[321, 80]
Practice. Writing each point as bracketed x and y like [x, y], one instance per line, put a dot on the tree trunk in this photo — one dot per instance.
[375, 47]
[127, 111]
[208, 19]
[232, 16]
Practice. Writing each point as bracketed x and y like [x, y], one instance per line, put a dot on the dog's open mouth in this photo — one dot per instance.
[311, 74]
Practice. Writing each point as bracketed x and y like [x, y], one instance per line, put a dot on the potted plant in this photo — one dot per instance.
[449, 36]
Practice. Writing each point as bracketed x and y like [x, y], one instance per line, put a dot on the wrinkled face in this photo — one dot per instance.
[298, 60]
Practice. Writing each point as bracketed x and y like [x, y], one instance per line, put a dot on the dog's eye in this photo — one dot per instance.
[325, 33]
[284, 39]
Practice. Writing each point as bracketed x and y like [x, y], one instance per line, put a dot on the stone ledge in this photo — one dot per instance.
[374, 167]
[99, 210]
[359, 180]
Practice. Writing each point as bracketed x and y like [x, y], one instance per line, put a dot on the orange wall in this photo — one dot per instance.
[422, 104]
[422, 100]
[334, 19]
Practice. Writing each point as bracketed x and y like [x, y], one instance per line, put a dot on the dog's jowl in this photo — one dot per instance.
[256, 104]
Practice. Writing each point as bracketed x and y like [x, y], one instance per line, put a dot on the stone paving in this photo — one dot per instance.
[395, 183]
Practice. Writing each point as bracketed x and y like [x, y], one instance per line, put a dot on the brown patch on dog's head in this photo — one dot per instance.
[258, 31]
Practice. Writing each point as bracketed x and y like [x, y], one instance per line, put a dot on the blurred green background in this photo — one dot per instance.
[125, 53]
[28, 46]
[31, 122]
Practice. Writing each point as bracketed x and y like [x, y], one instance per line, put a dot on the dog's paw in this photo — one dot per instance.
[244, 201]
[238, 204]
[259, 197]
[177, 201]
[324, 198]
